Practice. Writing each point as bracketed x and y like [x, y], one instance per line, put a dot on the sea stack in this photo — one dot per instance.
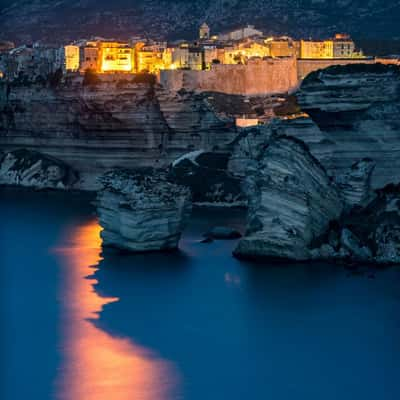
[142, 212]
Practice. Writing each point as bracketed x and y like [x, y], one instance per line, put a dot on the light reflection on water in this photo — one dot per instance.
[96, 365]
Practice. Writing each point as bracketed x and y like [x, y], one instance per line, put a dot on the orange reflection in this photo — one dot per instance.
[98, 366]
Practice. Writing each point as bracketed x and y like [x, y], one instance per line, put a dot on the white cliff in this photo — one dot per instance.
[291, 202]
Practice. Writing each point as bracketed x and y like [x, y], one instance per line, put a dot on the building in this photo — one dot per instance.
[310, 49]
[115, 57]
[204, 32]
[213, 55]
[343, 46]
[196, 59]
[180, 56]
[281, 47]
[149, 58]
[89, 57]
[242, 51]
[240, 34]
[71, 58]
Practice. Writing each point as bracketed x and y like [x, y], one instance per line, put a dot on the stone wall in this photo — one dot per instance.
[305, 67]
[258, 77]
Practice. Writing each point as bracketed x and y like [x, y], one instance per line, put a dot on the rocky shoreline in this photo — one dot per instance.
[319, 186]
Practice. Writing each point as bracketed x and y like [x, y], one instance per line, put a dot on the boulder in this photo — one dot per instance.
[291, 202]
[142, 211]
[33, 169]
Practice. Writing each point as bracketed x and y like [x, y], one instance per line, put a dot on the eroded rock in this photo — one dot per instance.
[142, 211]
[291, 202]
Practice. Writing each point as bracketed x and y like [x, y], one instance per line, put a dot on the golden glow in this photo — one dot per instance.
[115, 57]
[71, 57]
[316, 49]
[98, 366]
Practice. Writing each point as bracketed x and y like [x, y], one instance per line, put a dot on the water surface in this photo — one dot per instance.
[82, 324]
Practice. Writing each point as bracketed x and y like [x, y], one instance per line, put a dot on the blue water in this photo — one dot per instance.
[196, 324]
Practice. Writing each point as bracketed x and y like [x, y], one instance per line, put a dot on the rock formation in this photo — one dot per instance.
[205, 173]
[355, 185]
[33, 169]
[366, 234]
[141, 211]
[352, 113]
[353, 130]
[357, 108]
[291, 202]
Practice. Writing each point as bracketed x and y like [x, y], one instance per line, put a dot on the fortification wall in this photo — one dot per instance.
[255, 78]
[305, 67]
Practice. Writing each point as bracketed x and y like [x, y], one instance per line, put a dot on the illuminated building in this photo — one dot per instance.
[241, 52]
[180, 57]
[281, 47]
[343, 46]
[89, 57]
[204, 31]
[149, 58]
[115, 57]
[196, 59]
[316, 49]
[71, 54]
[213, 54]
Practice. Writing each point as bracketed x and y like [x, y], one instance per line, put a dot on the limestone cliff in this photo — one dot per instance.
[353, 130]
[350, 113]
[141, 211]
[109, 124]
[291, 202]
[357, 108]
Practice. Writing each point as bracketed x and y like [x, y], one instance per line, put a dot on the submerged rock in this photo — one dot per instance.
[142, 212]
[291, 202]
[33, 169]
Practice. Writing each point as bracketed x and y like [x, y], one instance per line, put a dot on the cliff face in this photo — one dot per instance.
[357, 108]
[353, 114]
[291, 202]
[111, 124]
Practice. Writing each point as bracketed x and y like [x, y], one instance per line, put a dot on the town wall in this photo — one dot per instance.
[305, 67]
[258, 77]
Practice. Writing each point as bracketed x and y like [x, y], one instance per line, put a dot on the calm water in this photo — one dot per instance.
[197, 324]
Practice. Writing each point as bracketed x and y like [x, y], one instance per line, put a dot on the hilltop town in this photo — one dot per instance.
[242, 62]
